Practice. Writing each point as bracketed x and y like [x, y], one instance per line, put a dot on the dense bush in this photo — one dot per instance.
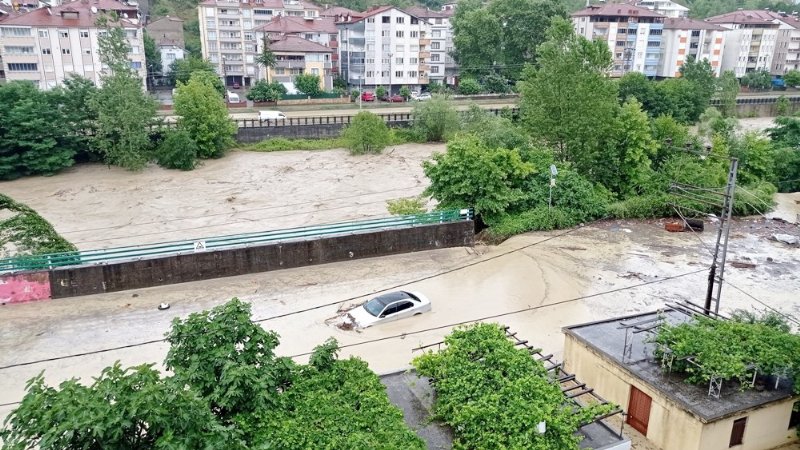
[28, 232]
[469, 86]
[367, 133]
[177, 151]
[307, 84]
[204, 117]
[406, 206]
[436, 119]
[266, 92]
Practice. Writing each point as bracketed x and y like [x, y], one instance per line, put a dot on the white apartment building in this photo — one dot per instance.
[386, 47]
[750, 41]
[442, 64]
[685, 37]
[45, 45]
[787, 47]
[227, 33]
[665, 8]
[633, 34]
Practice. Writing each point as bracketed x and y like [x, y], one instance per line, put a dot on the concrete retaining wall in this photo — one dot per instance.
[332, 130]
[86, 280]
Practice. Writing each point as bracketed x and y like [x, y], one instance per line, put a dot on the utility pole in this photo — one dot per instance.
[716, 273]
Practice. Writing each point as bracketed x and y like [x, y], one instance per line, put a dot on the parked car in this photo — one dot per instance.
[422, 97]
[389, 307]
[236, 85]
[393, 98]
[367, 96]
[270, 115]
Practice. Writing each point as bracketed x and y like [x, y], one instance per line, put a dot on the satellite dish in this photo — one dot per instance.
[94, 9]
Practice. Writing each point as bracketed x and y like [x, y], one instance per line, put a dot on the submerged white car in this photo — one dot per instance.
[389, 307]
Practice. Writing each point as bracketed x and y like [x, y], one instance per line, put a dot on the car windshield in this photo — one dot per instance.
[374, 307]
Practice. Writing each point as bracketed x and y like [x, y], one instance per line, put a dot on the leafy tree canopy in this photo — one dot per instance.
[307, 84]
[203, 115]
[367, 133]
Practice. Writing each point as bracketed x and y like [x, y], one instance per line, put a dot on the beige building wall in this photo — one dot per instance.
[766, 428]
[670, 427]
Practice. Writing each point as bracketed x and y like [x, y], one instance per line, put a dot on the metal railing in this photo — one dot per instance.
[134, 253]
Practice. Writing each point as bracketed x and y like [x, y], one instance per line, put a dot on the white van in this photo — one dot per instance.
[233, 97]
[271, 115]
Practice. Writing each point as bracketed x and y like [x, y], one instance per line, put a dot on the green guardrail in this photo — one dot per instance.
[132, 253]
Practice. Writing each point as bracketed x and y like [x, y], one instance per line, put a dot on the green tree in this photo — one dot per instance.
[124, 110]
[636, 84]
[406, 206]
[792, 78]
[77, 94]
[262, 91]
[495, 84]
[626, 167]
[203, 116]
[436, 119]
[37, 134]
[727, 91]
[471, 174]
[122, 408]
[757, 80]
[152, 56]
[782, 106]
[701, 75]
[568, 101]
[405, 92]
[756, 158]
[500, 35]
[469, 86]
[307, 84]
[670, 137]
[367, 133]
[177, 151]
[266, 58]
[380, 91]
[182, 69]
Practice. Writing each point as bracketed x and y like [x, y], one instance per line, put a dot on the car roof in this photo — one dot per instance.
[391, 297]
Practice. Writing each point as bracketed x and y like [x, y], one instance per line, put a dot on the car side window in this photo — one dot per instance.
[389, 310]
[403, 306]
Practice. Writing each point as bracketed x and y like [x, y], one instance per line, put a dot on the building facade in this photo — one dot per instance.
[666, 8]
[167, 33]
[633, 34]
[441, 63]
[46, 45]
[386, 47]
[684, 38]
[750, 41]
[294, 56]
[227, 33]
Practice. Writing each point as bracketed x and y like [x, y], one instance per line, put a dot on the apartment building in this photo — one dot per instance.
[684, 37]
[443, 67]
[666, 8]
[787, 46]
[320, 31]
[45, 45]
[167, 33]
[227, 33]
[750, 41]
[386, 47]
[633, 34]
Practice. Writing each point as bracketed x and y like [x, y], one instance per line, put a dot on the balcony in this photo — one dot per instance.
[424, 41]
[424, 54]
[291, 64]
[424, 68]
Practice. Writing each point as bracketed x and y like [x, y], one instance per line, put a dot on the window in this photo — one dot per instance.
[434, 69]
[43, 33]
[18, 50]
[314, 71]
[371, 20]
[438, 21]
[246, 12]
[403, 306]
[370, 60]
[84, 33]
[15, 31]
[385, 61]
[248, 37]
[65, 51]
[209, 12]
[136, 65]
[693, 45]
[400, 19]
[437, 33]
[412, 74]
[385, 73]
[309, 36]
[737, 432]
[414, 21]
[414, 34]
[263, 12]
[620, 43]
[399, 74]
[211, 24]
[385, 33]
[398, 60]
[370, 47]
[398, 33]
[212, 35]
[22, 67]
[436, 45]
[63, 33]
[279, 71]
[400, 48]
[415, 48]
[131, 33]
[386, 19]
[794, 418]
[87, 51]
[655, 32]
[435, 57]
[385, 48]
[370, 73]
[412, 60]
[46, 51]
[135, 49]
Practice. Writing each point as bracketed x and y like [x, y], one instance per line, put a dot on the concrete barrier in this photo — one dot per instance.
[96, 279]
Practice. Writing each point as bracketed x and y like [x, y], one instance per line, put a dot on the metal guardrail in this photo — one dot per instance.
[120, 254]
[767, 100]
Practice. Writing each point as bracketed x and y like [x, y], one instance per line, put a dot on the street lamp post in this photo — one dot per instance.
[553, 173]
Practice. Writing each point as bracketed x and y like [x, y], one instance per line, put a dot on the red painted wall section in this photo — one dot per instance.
[24, 288]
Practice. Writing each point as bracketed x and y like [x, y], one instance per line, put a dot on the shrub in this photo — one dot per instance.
[380, 91]
[177, 151]
[436, 119]
[266, 92]
[496, 84]
[29, 232]
[283, 144]
[204, 116]
[367, 133]
[469, 86]
[540, 218]
[405, 92]
[406, 206]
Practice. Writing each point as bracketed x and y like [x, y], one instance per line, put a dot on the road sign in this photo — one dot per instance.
[200, 246]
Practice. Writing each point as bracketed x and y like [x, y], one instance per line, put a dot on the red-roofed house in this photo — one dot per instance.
[294, 56]
[228, 37]
[321, 31]
[47, 44]
[750, 42]
[684, 37]
[386, 47]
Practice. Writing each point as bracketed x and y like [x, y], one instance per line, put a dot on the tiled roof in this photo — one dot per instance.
[291, 25]
[375, 10]
[616, 10]
[334, 11]
[425, 13]
[297, 44]
[684, 23]
[745, 17]
[52, 17]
